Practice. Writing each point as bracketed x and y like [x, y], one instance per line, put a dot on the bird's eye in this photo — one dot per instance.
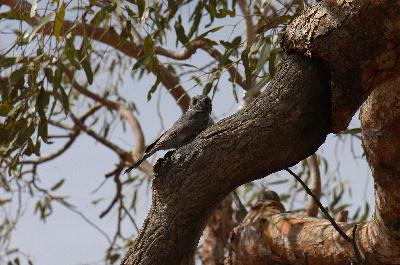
[194, 101]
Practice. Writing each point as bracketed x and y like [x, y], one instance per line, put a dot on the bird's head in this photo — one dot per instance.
[201, 102]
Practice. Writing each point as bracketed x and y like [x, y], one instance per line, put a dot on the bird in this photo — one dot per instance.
[184, 130]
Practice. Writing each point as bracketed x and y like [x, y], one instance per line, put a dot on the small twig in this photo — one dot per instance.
[118, 193]
[87, 220]
[130, 217]
[354, 244]
[241, 209]
[352, 241]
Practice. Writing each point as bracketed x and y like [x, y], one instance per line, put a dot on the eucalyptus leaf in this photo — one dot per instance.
[39, 25]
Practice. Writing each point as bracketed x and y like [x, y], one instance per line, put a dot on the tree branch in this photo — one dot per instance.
[109, 37]
[181, 178]
[72, 137]
[292, 117]
[248, 18]
[126, 114]
[352, 241]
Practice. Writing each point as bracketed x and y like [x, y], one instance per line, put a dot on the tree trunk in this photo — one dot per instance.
[356, 41]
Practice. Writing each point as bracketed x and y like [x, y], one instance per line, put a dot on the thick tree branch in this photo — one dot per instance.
[291, 119]
[183, 195]
[313, 241]
[358, 40]
[380, 123]
[351, 240]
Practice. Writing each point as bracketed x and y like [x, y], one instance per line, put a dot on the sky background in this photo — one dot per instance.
[66, 239]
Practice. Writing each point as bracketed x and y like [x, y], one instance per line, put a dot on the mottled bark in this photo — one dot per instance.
[358, 40]
[216, 234]
[380, 118]
[270, 236]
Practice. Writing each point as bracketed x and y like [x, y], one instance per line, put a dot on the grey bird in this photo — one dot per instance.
[184, 130]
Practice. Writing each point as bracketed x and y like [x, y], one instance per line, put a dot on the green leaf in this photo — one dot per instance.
[353, 131]
[57, 185]
[149, 50]
[180, 33]
[5, 108]
[235, 95]
[207, 88]
[39, 25]
[37, 147]
[30, 148]
[59, 21]
[197, 14]
[246, 65]
[263, 58]
[148, 45]
[201, 36]
[153, 88]
[226, 12]
[113, 258]
[2, 202]
[42, 129]
[364, 217]
[88, 70]
[7, 61]
[273, 62]
[64, 99]
[261, 83]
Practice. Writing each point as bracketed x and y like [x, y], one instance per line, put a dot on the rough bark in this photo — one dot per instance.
[270, 236]
[284, 125]
[185, 190]
[358, 40]
[380, 117]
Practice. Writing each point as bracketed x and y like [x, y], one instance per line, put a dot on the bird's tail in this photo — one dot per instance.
[129, 169]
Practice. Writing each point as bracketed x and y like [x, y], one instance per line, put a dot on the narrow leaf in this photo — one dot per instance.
[88, 70]
[262, 83]
[263, 58]
[57, 185]
[39, 25]
[59, 20]
[153, 89]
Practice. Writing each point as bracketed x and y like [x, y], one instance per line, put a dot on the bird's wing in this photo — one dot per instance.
[184, 129]
[150, 146]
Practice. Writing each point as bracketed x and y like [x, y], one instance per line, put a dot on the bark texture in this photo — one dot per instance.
[268, 235]
[185, 190]
[216, 234]
[358, 40]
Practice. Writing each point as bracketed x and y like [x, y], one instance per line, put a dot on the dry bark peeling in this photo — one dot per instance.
[356, 40]
[268, 235]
